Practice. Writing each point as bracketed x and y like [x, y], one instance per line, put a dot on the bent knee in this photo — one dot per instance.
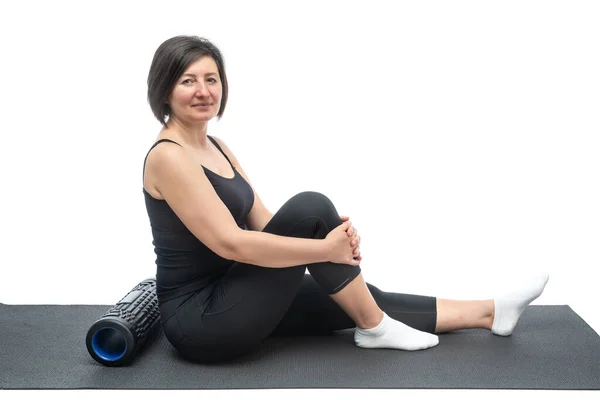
[309, 195]
[316, 204]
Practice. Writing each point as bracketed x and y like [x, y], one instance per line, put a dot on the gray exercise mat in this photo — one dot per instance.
[43, 347]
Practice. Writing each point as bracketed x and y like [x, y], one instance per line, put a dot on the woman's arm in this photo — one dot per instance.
[259, 221]
[265, 249]
[275, 251]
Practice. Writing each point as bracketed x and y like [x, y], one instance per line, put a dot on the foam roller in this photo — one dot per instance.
[122, 331]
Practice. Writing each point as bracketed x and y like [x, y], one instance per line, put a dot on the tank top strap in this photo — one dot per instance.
[221, 150]
[148, 153]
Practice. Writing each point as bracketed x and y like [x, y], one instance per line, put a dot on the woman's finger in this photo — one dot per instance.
[352, 232]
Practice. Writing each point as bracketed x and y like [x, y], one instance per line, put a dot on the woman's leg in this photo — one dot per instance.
[313, 312]
[248, 302]
[499, 314]
[455, 315]
[245, 305]
[375, 328]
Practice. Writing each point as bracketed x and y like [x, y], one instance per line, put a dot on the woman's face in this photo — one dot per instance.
[196, 96]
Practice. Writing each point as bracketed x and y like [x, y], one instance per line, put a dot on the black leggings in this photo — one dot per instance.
[236, 313]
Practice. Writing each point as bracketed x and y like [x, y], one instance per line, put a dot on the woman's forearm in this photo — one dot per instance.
[275, 251]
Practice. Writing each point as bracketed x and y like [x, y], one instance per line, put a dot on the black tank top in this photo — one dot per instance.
[183, 263]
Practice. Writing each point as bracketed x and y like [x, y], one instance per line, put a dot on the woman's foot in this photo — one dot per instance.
[393, 334]
[509, 307]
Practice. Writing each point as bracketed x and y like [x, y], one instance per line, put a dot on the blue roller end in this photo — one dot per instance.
[109, 344]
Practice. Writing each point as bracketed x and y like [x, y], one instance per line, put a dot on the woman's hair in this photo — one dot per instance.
[170, 61]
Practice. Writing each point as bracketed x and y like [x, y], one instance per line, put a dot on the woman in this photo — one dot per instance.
[230, 273]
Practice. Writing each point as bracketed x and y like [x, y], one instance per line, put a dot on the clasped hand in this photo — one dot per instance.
[344, 243]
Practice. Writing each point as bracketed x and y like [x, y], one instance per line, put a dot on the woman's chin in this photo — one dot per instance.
[198, 119]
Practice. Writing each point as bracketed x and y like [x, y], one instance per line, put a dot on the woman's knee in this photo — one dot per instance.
[310, 203]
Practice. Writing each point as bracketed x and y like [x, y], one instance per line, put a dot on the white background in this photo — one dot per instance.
[460, 137]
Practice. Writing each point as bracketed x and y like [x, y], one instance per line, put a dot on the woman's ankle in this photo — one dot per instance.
[370, 321]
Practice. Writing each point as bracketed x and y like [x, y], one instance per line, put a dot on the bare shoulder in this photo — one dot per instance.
[191, 196]
[164, 154]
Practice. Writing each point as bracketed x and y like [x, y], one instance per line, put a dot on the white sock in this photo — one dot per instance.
[509, 307]
[392, 334]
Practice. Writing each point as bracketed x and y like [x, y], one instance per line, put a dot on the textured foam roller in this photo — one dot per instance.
[122, 331]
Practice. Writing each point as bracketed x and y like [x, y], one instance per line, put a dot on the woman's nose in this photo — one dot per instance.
[202, 89]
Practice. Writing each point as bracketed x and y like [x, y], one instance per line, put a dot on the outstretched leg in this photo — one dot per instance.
[453, 315]
[500, 315]
[313, 312]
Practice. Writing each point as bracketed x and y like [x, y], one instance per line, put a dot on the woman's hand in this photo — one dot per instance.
[353, 232]
[339, 242]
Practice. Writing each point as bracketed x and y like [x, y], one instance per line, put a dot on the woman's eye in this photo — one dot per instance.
[185, 82]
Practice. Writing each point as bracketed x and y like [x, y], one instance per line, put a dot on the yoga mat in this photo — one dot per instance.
[43, 347]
